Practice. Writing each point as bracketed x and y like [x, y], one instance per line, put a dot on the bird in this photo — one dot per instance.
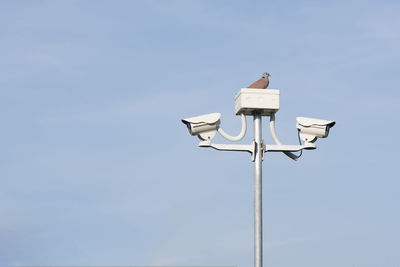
[261, 83]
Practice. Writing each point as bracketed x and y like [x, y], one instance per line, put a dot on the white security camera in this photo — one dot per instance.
[204, 126]
[311, 129]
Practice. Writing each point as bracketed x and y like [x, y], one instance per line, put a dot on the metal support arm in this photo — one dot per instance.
[285, 148]
[228, 147]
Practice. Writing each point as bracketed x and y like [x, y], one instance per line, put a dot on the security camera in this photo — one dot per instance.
[204, 126]
[310, 129]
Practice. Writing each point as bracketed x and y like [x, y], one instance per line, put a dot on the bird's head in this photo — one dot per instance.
[266, 75]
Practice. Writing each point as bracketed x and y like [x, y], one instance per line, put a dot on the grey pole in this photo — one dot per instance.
[258, 250]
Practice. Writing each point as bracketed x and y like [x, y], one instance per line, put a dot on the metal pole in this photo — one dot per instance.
[258, 250]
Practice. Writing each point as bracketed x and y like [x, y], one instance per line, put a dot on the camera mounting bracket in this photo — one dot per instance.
[251, 148]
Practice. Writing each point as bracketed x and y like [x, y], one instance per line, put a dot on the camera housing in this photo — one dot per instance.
[204, 126]
[310, 129]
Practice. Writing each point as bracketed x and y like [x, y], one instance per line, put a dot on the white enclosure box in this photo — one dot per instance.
[263, 101]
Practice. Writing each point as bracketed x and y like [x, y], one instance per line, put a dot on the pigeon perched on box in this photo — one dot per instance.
[261, 83]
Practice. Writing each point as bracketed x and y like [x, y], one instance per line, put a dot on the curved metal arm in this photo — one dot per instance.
[275, 138]
[241, 134]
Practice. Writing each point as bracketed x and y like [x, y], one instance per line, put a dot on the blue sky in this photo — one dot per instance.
[97, 169]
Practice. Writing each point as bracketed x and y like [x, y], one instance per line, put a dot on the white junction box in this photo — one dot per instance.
[262, 101]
